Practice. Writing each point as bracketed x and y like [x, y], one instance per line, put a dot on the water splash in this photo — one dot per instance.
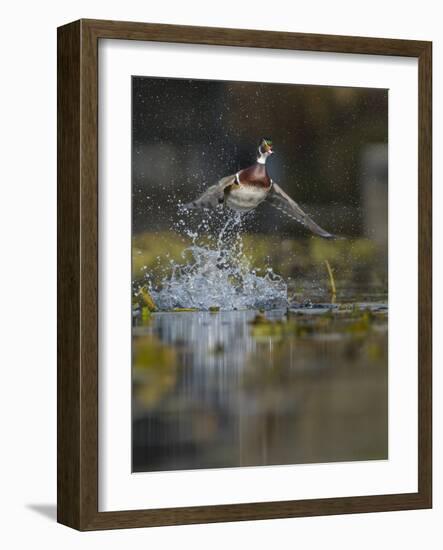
[217, 273]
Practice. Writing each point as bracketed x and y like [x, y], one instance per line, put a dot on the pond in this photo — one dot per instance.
[252, 388]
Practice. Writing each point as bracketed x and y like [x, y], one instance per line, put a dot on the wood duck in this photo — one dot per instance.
[251, 186]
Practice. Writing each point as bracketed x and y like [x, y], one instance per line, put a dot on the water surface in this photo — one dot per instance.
[214, 390]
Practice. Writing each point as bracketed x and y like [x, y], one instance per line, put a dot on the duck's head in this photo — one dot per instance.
[265, 149]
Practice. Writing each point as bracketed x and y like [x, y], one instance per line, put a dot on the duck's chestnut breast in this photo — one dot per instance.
[256, 175]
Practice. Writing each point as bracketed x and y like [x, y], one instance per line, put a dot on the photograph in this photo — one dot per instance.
[259, 274]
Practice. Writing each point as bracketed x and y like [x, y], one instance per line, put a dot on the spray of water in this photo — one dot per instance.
[216, 272]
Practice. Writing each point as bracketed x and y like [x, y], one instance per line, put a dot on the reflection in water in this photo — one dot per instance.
[211, 391]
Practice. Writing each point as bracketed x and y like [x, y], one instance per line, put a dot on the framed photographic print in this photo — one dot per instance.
[244, 275]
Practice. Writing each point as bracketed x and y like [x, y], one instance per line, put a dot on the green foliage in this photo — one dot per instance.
[356, 263]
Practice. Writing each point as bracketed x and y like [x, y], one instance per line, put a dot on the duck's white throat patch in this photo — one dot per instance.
[262, 157]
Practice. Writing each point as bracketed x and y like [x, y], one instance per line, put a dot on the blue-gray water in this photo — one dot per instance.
[212, 390]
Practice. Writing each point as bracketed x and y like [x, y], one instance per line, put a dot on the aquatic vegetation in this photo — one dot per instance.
[332, 281]
[346, 320]
[146, 315]
[147, 299]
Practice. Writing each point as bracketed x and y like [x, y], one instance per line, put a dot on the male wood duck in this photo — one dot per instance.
[251, 186]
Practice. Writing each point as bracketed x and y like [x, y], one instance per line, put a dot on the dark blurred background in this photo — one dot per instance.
[189, 133]
[331, 156]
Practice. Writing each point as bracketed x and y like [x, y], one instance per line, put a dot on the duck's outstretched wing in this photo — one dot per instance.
[279, 199]
[213, 196]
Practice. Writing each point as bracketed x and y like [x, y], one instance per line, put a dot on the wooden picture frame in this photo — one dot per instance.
[78, 274]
